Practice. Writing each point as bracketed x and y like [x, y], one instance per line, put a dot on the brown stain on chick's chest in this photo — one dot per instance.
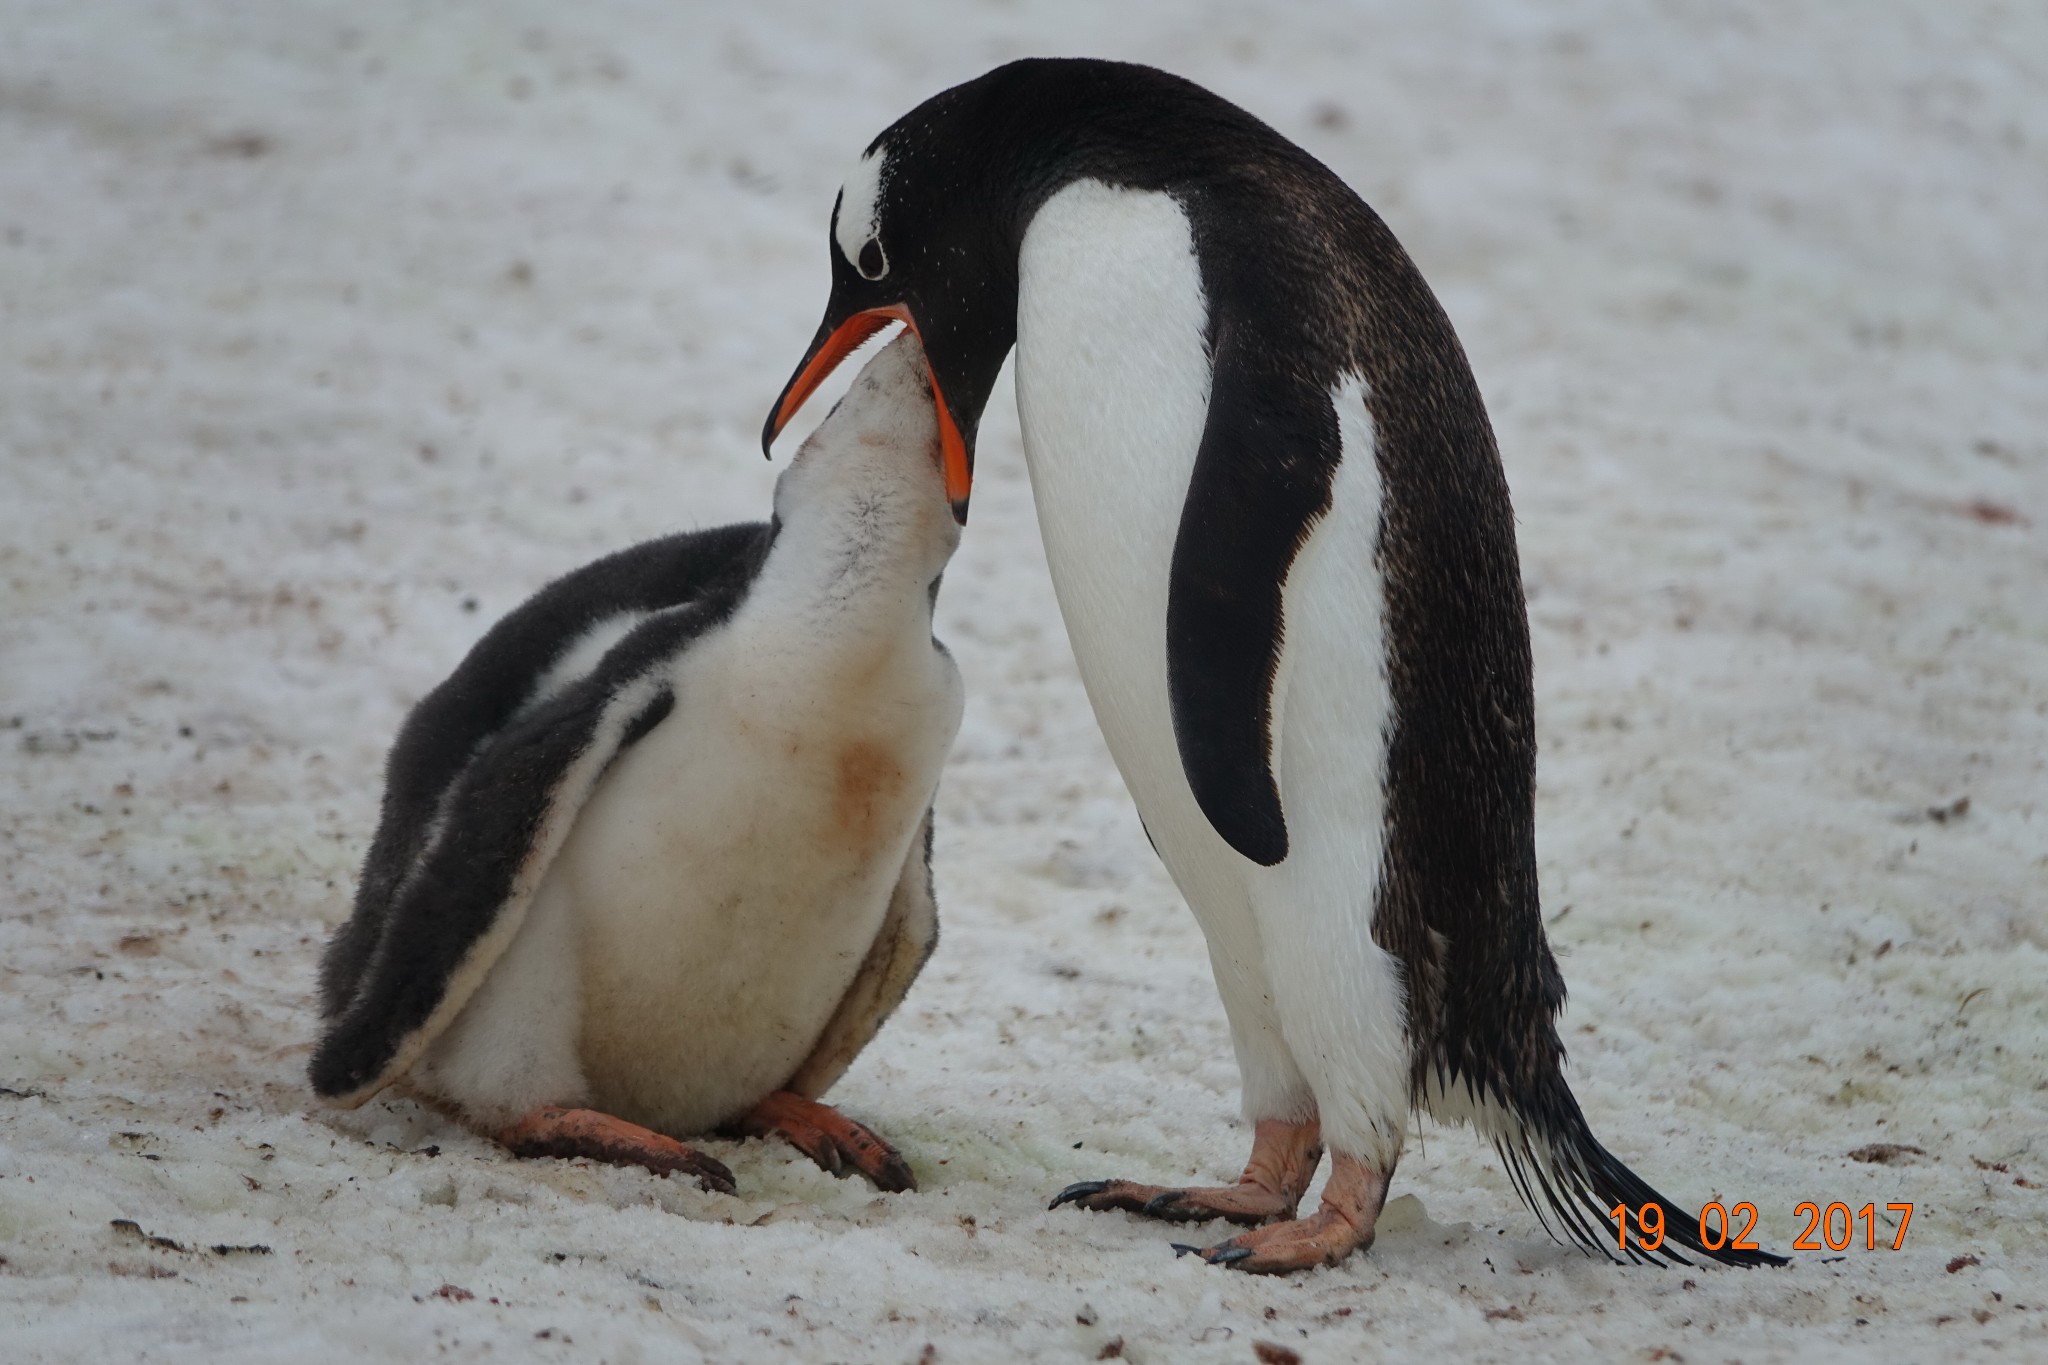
[866, 783]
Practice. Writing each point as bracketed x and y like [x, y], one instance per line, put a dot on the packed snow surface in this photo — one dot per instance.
[329, 331]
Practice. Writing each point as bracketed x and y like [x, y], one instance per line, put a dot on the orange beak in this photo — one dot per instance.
[843, 342]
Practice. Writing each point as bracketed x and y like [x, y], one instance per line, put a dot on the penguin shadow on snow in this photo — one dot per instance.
[655, 861]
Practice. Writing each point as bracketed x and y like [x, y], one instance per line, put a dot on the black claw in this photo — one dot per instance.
[1157, 1205]
[1227, 1255]
[1181, 1249]
[894, 1175]
[1080, 1189]
[712, 1176]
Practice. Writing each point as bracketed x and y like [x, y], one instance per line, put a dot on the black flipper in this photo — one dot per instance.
[505, 818]
[484, 784]
[1261, 480]
[509, 813]
[451, 725]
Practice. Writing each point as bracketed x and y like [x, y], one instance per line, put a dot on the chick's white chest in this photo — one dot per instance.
[730, 873]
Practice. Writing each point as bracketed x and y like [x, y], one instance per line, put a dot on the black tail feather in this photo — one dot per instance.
[1562, 1172]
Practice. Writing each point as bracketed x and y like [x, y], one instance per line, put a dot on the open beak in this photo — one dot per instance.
[833, 345]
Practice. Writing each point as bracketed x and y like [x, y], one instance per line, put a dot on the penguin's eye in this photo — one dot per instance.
[872, 263]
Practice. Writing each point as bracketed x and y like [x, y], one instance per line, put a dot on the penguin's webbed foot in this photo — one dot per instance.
[837, 1143]
[1240, 1203]
[1345, 1223]
[1284, 1160]
[552, 1131]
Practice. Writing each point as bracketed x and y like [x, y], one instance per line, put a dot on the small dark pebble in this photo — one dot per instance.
[132, 1228]
[1954, 810]
[248, 145]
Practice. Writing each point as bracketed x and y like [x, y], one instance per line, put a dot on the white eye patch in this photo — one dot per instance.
[858, 230]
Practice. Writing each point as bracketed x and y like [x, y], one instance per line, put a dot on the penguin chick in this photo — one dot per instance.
[655, 861]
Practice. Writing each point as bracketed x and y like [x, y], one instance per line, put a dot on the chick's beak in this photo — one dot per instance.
[831, 346]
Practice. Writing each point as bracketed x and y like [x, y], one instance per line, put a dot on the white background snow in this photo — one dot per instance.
[328, 331]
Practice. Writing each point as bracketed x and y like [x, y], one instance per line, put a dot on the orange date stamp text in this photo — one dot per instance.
[1721, 1226]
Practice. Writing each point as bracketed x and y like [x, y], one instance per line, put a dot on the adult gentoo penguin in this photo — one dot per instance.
[656, 860]
[1281, 539]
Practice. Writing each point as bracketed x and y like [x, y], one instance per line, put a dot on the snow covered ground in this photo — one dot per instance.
[329, 330]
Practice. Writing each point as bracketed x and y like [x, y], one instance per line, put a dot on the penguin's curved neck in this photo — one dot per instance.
[863, 529]
[857, 540]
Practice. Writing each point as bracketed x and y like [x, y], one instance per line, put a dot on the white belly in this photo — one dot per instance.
[1113, 394]
[1113, 390]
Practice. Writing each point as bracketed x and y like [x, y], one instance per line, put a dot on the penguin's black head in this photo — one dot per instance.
[923, 233]
[927, 228]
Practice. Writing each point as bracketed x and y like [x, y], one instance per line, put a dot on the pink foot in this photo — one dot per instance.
[1284, 1160]
[550, 1131]
[1351, 1206]
[829, 1138]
